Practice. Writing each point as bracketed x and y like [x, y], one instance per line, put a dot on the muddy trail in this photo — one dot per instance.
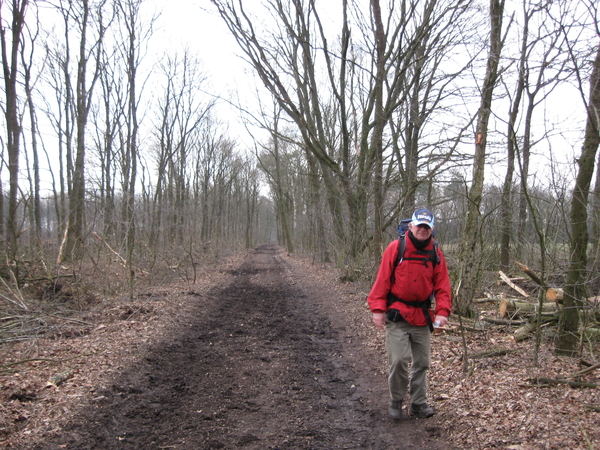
[267, 360]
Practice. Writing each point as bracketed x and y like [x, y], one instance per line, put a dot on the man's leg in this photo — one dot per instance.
[420, 339]
[398, 350]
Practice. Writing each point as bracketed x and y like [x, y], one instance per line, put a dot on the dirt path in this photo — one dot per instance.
[262, 362]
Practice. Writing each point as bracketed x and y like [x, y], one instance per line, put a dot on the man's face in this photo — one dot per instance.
[421, 232]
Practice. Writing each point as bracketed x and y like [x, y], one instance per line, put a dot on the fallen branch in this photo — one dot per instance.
[123, 261]
[49, 278]
[4, 367]
[468, 328]
[592, 333]
[492, 353]
[487, 299]
[527, 271]
[575, 384]
[552, 294]
[514, 306]
[59, 379]
[522, 307]
[526, 330]
[19, 300]
[504, 321]
[512, 285]
[585, 371]
[555, 295]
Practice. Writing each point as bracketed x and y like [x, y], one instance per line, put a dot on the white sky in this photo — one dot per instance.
[185, 22]
[195, 24]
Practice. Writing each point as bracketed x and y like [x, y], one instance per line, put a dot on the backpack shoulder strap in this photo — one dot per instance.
[399, 256]
[402, 229]
[435, 257]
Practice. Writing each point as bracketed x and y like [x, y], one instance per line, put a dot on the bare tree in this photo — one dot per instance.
[108, 120]
[506, 203]
[84, 16]
[342, 97]
[595, 208]
[271, 163]
[210, 144]
[134, 37]
[575, 288]
[541, 66]
[27, 61]
[182, 111]
[11, 49]
[58, 112]
[469, 256]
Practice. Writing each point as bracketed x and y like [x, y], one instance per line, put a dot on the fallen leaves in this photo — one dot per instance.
[495, 407]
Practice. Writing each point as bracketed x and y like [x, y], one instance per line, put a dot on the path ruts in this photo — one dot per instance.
[267, 361]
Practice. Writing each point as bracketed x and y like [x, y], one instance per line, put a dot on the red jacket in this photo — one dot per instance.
[415, 281]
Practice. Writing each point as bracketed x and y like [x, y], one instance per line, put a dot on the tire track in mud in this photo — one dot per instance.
[263, 363]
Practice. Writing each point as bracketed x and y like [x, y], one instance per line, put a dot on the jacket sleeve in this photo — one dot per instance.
[442, 288]
[377, 298]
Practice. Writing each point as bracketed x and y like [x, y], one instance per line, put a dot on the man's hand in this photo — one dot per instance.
[379, 320]
[441, 320]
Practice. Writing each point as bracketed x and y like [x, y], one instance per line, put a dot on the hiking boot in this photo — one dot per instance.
[395, 410]
[422, 411]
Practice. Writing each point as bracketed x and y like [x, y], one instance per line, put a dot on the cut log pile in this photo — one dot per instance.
[523, 311]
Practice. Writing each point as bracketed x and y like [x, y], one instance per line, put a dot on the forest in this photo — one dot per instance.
[117, 161]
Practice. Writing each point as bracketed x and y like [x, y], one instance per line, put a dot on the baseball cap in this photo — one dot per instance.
[423, 216]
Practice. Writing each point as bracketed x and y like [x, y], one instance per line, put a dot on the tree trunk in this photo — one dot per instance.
[35, 194]
[378, 126]
[10, 69]
[72, 246]
[595, 209]
[575, 288]
[512, 143]
[130, 11]
[315, 206]
[470, 258]
[281, 194]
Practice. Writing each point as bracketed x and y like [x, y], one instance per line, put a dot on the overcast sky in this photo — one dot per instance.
[205, 32]
[194, 23]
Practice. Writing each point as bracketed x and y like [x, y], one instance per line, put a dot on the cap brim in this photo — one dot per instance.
[424, 223]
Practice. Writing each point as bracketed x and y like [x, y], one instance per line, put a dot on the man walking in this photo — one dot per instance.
[401, 299]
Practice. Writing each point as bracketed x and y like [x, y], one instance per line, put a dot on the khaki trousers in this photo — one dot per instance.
[403, 343]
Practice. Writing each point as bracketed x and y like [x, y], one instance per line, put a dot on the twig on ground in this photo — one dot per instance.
[4, 367]
[492, 353]
[575, 384]
[585, 436]
[585, 371]
[504, 321]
